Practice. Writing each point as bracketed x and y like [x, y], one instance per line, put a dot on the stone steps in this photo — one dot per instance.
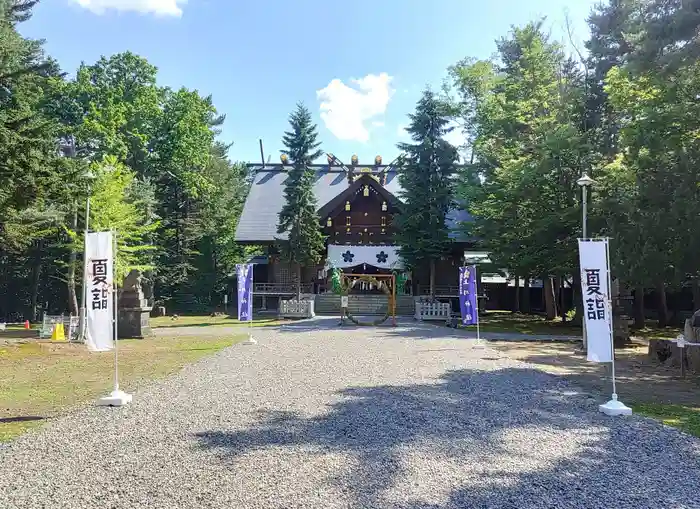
[329, 304]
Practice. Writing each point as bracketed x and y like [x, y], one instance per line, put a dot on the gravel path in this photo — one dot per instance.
[409, 418]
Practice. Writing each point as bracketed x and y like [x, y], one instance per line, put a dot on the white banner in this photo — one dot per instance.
[99, 253]
[595, 289]
[343, 256]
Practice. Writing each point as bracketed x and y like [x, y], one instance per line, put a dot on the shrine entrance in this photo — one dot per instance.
[366, 286]
[365, 273]
[383, 283]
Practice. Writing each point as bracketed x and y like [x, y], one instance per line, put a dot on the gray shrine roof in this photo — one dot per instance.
[258, 222]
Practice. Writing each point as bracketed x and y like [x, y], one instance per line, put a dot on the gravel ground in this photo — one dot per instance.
[412, 417]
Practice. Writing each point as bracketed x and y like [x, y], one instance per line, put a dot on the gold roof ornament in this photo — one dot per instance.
[284, 158]
[378, 160]
[354, 160]
[367, 172]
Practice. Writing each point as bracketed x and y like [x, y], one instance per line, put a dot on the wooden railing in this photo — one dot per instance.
[432, 311]
[297, 309]
[280, 288]
[441, 291]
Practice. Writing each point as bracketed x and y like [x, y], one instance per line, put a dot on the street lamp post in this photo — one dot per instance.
[585, 182]
[89, 177]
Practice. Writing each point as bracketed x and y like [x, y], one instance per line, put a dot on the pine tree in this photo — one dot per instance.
[427, 182]
[298, 217]
[28, 166]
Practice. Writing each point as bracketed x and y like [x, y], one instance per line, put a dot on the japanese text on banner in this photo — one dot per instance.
[467, 295]
[244, 274]
[595, 293]
[99, 252]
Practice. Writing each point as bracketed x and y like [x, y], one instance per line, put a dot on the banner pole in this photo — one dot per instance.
[115, 325]
[252, 297]
[478, 318]
[614, 406]
[249, 303]
[612, 329]
[250, 326]
[117, 397]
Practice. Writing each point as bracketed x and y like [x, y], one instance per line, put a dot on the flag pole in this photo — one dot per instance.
[249, 304]
[117, 397]
[614, 406]
[476, 289]
[115, 311]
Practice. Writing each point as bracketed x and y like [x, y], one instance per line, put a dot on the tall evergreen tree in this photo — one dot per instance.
[28, 167]
[298, 217]
[427, 182]
[185, 135]
[529, 146]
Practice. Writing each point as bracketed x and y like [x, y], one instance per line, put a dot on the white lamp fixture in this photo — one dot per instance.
[586, 181]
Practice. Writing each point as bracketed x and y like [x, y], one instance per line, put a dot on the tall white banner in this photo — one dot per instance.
[99, 253]
[595, 289]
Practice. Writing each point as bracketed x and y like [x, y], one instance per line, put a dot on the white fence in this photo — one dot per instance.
[432, 311]
[297, 308]
[71, 326]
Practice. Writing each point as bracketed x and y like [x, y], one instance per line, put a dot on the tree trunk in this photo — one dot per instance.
[36, 279]
[662, 305]
[72, 261]
[696, 294]
[578, 301]
[432, 279]
[639, 319]
[298, 281]
[561, 298]
[550, 302]
[526, 295]
[516, 304]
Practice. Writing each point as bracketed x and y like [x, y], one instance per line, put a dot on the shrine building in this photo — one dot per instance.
[357, 204]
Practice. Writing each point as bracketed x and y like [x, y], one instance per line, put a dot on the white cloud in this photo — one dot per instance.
[378, 123]
[346, 111]
[158, 7]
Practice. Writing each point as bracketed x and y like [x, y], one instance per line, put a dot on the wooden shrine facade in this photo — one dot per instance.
[357, 209]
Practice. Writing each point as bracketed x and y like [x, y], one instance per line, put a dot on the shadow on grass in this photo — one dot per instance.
[501, 436]
[638, 381]
[24, 418]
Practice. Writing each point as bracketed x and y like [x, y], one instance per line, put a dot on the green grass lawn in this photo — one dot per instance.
[686, 418]
[505, 321]
[44, 380]
[655, 332]
[206, 320]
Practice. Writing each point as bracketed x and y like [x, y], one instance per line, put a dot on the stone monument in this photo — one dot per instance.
[134, 309]
[668, 352]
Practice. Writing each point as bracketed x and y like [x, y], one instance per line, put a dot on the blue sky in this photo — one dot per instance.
[359, 66]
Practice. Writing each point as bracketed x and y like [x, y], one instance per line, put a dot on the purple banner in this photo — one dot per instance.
[245, 291]
[467, 295]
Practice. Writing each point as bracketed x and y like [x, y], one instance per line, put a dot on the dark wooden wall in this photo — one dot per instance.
[368, 223]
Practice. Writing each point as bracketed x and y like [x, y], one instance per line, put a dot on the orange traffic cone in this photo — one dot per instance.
[26, 325]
